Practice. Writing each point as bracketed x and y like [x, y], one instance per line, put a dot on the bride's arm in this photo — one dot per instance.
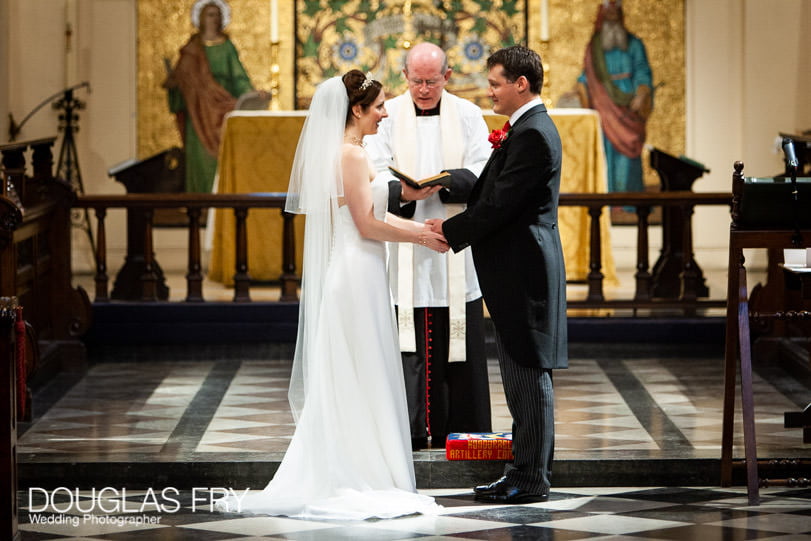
[402, 223]
[358, 196]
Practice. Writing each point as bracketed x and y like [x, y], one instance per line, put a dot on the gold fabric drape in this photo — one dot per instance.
[255, 156]
[257, 153]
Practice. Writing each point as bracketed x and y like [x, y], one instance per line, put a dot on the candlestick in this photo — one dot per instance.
[543, 49]
[544, 20]
[274, 21]
[274, 76]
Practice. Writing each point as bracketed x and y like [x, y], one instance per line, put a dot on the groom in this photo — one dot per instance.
[511, 225]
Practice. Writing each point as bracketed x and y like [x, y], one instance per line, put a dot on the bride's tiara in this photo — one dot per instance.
[367, 82]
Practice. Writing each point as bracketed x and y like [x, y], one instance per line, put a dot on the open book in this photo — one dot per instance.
[442, 179]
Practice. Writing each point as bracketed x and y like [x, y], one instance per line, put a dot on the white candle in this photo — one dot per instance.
[274, 21]
[544, 20]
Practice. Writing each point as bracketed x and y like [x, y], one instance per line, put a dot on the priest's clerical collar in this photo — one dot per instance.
[427, 112]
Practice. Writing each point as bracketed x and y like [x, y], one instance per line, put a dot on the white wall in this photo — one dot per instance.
[744, 86]
[107, 42]
[106, 53]
[773, 86]
[38, 64]
[714, 67]
[747, 79]
[35, 69]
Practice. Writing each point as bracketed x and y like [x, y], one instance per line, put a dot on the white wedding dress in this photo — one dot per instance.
[350, 456]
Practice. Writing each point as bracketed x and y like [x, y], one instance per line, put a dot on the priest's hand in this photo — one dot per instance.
[414, 194]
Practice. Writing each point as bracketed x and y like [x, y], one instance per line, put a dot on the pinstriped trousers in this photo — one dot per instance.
[531, 402]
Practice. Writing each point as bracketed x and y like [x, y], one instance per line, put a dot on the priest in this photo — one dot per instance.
[440, 311]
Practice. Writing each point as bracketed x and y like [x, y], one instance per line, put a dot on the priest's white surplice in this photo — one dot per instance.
[423, 146]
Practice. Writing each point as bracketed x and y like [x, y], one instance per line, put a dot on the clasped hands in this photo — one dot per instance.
[432, 237]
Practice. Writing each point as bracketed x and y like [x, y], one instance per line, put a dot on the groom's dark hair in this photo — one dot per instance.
[516, 61]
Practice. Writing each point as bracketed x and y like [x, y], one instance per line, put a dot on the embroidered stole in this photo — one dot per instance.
[405, 146]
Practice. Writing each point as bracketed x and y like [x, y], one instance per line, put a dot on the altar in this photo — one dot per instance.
[256, 155]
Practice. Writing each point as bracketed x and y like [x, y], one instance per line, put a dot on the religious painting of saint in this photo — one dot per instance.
[631, 71]
[617, 81]
[202, 87]
[232, 38]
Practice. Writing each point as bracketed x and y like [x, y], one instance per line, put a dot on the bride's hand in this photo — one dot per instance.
[432, 240]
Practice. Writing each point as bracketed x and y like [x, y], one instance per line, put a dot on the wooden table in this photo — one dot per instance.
[257, 153]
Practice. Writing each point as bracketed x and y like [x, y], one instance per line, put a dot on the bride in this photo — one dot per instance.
[350, 456]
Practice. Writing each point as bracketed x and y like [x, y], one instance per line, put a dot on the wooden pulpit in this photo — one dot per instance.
[675, 174]
[162, 173]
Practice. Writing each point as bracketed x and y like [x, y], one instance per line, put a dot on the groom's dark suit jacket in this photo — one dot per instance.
[511, 225]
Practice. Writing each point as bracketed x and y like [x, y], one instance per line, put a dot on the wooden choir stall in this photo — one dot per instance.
[42, 316]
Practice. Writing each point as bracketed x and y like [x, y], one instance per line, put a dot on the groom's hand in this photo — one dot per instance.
[435, 224]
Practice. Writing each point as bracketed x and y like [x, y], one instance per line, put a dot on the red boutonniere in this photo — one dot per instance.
[497, 137]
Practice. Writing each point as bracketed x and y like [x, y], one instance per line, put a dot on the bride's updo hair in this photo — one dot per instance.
[360, 90]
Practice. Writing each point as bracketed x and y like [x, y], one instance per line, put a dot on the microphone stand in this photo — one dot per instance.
[797, 238]
[68, 163]
[14, 128]
[791, 166]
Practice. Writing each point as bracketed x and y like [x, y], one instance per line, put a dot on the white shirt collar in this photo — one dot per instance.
[523, 109]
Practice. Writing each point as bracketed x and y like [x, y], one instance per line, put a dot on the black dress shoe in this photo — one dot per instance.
[506, 493]
[491, 488]
[438, 442]
[419, 443]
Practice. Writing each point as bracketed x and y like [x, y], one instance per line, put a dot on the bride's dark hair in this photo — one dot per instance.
[359, 91]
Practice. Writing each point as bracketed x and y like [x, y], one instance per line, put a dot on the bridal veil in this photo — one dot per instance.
[315, 186]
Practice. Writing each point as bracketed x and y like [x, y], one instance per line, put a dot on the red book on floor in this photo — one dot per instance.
[479, 446]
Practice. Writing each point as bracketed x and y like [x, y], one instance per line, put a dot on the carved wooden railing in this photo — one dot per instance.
[687, 278]
[194, 204]
[688, 275]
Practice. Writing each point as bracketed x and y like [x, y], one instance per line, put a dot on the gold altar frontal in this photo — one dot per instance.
[257, 152]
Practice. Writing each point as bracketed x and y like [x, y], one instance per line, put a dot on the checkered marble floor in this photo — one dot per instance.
[705, 514]
[172, 409]
[661, 406]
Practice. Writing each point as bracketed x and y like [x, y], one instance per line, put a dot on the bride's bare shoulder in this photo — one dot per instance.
[353, 155]
[356, 162]
[354, 150]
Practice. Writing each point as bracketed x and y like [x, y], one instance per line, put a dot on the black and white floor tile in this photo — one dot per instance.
[665, 513]
[651, 406]
[145, 414]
